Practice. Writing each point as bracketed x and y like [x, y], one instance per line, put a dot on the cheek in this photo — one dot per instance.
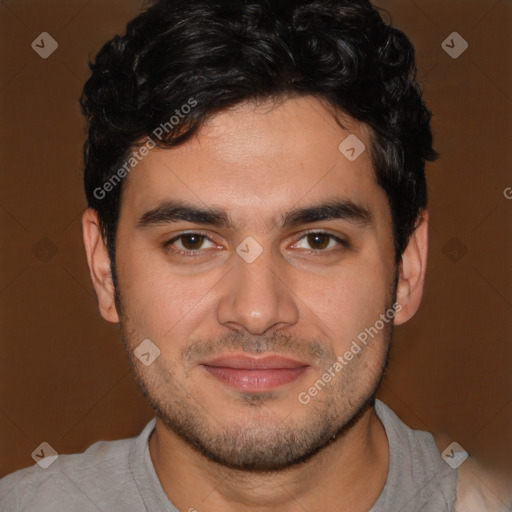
[349, 300]
[161, 303]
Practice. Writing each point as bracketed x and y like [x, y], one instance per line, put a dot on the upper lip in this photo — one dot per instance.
[244, 362]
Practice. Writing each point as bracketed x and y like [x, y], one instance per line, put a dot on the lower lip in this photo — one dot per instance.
[255, 380]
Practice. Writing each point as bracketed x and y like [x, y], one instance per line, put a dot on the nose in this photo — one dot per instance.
[257, 297]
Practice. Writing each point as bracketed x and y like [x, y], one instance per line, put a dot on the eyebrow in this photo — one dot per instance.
[335, 209]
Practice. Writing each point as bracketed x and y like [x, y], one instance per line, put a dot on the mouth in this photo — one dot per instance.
[255, 374]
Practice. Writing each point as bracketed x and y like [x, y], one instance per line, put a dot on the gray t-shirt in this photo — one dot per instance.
[118, 476]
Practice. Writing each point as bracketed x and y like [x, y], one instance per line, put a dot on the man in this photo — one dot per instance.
[257, 225]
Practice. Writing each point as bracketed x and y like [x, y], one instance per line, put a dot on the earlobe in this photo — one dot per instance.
[412, 270]
[99, 265]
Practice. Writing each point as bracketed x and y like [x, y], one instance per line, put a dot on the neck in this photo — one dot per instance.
[347, 475]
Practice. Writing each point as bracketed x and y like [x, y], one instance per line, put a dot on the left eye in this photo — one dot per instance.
[189, 242]
[320, 241]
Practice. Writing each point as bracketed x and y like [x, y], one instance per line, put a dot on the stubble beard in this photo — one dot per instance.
[263, 447]
[259, 442]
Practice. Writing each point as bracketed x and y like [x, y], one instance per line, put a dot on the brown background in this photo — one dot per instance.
[65, 377]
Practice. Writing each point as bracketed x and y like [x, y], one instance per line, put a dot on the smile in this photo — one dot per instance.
[251, 374]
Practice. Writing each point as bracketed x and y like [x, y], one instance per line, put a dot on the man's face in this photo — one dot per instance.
[242, 333]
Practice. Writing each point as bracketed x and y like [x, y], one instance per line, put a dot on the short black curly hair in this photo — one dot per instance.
[220, 53]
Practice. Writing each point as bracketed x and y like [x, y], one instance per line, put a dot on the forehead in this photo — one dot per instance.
[258, 160]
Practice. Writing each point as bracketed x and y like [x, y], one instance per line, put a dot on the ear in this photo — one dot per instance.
[411, 272]
[99, 265]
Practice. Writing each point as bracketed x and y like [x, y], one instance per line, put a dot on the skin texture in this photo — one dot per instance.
[214, 447]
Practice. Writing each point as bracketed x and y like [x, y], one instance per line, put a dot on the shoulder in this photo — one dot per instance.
[419, 444]
[78, 481]
[417, 472]
[418, 461]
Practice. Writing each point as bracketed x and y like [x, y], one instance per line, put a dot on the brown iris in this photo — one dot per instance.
[316, 239]
[192, 242]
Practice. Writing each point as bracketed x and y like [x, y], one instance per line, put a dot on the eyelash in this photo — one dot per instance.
[197, 253]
